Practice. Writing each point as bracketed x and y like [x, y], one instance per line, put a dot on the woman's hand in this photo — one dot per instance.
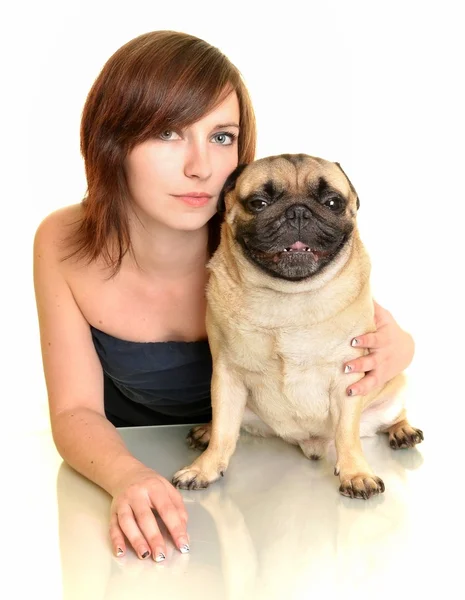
[391, 351]
[137, 494]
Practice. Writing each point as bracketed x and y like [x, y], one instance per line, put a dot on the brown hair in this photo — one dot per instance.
[158, 79]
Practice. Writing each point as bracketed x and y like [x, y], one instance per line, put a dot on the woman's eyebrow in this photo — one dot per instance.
[226, 125]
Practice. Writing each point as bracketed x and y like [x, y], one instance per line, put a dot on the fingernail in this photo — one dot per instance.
[119, 552]
[184, 548]
[350, 392]
[355, 342]
[160, 557]
[348, 369]
[146, 553]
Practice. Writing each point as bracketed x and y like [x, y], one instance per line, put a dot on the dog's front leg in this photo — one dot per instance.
[356, 477]
[229, 397]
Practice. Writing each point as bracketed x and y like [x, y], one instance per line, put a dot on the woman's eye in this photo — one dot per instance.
[333, 203]
[221, 137]
[164, 135]
[257, 205]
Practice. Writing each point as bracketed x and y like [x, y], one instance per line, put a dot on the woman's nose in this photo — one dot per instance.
[197, 161]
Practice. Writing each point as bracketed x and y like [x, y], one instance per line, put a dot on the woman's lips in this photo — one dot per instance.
[197, 202]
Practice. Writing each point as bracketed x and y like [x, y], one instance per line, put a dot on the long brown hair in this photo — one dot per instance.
[157, 80]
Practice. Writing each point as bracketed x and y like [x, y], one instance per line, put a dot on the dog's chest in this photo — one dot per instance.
[291, 370]
[287, 376]
[285, 353]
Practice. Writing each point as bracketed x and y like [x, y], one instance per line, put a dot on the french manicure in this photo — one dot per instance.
[119, 552]
[184, 549]
[355, 342]
[348, 369]
[160, 557]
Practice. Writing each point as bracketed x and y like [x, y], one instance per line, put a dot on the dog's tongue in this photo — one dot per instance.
[298, 246]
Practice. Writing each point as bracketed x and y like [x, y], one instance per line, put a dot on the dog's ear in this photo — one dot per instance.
[350, 183]
[229, 185]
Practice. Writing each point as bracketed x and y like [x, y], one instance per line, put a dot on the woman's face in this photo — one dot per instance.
[199, 159]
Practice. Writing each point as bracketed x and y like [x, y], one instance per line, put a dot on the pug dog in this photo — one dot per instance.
[289, 288]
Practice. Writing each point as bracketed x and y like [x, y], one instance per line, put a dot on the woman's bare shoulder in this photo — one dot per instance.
[54, 260]
[53, 232]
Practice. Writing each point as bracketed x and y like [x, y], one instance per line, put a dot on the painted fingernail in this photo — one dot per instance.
[145, 554]
[355, 342]
[350, 392]
[119, 552]
[160, 557]
[348, 369]
[184, 548]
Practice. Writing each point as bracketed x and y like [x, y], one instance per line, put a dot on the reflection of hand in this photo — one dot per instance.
[137, 493]
[391, 351]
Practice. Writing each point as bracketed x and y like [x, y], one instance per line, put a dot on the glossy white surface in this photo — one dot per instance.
[274, 527]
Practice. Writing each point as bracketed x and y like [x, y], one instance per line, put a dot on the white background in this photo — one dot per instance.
[375, 86]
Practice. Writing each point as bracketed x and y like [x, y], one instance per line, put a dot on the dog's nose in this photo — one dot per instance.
[298, 213]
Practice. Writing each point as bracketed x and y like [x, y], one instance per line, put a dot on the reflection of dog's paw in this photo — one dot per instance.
[193, 478]
[404, 436]
[199, 436]
[361, 485]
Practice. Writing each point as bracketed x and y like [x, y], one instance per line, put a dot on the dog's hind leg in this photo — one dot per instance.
[199, 436]
[387, 414]
[403, 435]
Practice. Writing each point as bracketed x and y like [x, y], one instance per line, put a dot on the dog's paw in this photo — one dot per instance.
[361, 485]
[193, 478]
[404, 436]
[199, 437]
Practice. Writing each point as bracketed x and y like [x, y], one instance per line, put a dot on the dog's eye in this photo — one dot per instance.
[257, 204]
[333, 203]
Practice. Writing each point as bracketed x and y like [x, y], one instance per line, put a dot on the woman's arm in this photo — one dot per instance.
[85, 439]
[90, 444]
[391, 351]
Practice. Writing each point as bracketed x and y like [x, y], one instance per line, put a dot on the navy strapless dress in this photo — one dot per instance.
[154, 383]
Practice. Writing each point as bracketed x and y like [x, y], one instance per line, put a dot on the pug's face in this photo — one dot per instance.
[290, 214]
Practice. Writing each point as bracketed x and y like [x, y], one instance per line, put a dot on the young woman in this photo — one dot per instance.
[120, 277]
